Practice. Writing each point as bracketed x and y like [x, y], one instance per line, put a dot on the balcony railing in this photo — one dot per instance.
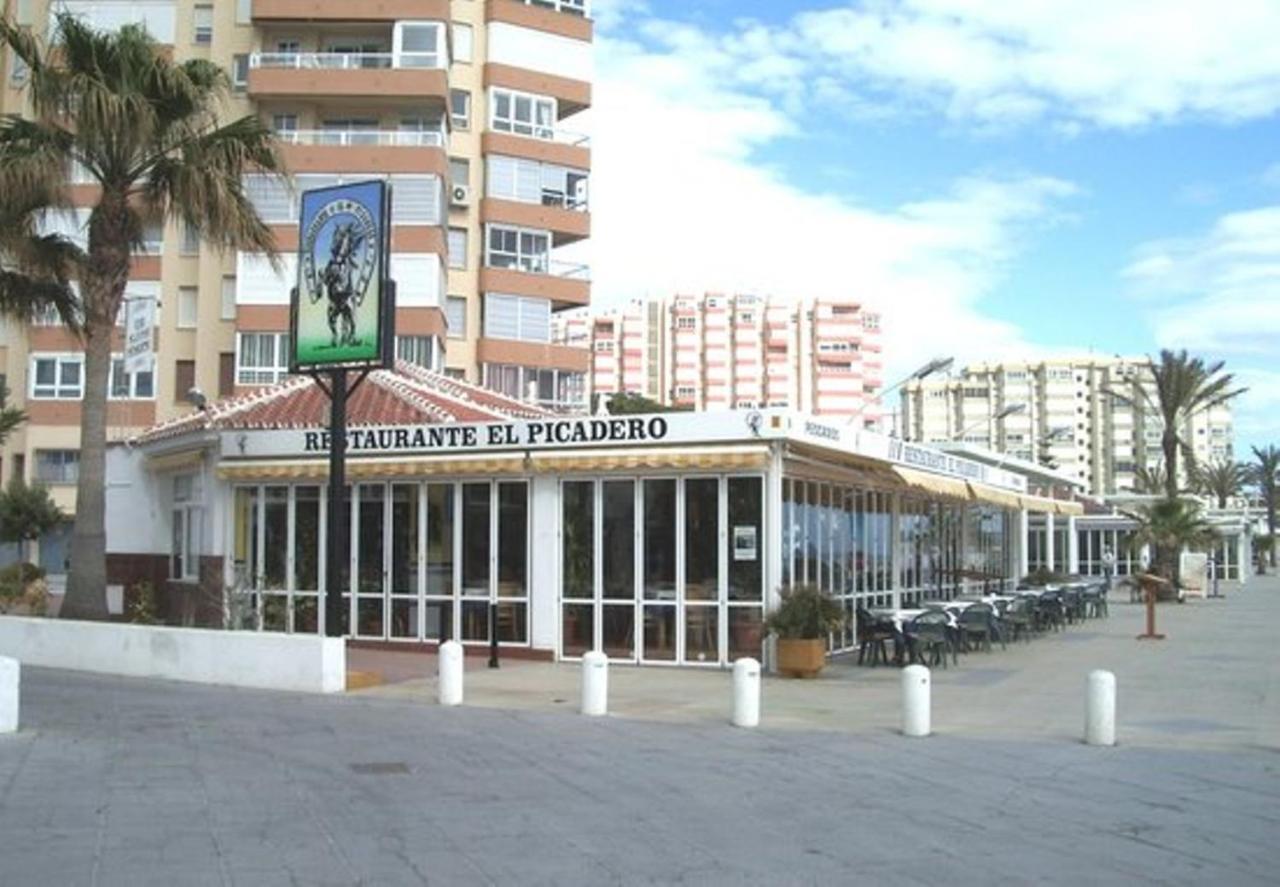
[541, 132]
[540, 265]
[572, 7]
[346, 61]
[379, 138]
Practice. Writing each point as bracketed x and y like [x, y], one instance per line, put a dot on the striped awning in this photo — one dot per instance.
[994, 496]
[1051, 506]
[934, 484]
[730, 457]
[359, 469]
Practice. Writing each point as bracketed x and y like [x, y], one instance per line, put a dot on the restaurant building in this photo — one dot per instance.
[659, 538]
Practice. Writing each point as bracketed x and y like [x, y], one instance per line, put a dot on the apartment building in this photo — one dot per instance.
[1057, 410]
[732, 352]
[465, 106]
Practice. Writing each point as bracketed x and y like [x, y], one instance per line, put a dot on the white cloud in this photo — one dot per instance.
[679, 204]
[1218, 293]
[1094, 62]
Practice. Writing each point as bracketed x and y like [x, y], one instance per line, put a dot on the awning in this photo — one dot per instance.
[174, 461]
[733, 457]
[1051, 506]
[934, 484]
[1064, 506]
[994, 496]
[360, 469]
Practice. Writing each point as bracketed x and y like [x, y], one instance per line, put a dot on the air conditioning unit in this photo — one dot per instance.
[460, 195]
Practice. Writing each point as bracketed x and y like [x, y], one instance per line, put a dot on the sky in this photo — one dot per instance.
[998, 179]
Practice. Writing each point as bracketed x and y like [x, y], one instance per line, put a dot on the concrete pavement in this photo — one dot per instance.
[124, 781]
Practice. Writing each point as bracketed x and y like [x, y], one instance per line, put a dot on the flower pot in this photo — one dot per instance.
[801, 657]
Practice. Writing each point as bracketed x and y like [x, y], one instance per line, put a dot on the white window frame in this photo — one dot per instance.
[456, 305]
[58, 390]
[263, 374]
[63, 476]
[463, 46]
[437, 58]
[512, 123]
[530, 316]
[132, 381]
[458, 262]
[529, 262]
[412, 348]
[202, 32]
[187, 512]
[181, 321]
[460, 121]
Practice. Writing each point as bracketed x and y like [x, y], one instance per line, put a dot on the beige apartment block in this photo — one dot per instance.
[736, 352]
[1059, 410]
[466, 107]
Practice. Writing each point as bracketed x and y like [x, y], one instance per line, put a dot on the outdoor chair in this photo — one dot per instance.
[929, 639]
[1019, 619]
[977, 623]
[873, 634]
[1095, 600]
[1050, 612]
[1072, 605]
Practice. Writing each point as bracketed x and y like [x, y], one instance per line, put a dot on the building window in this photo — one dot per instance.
[187, 307]
[239, 71]
[686, 323]
[131, 386]
[458, 248]
[462, 42]
[184, 554]
[261, 358]
[518, 249]
[417, 349]
[190, 245]
[460, 108]
[60, 377]
[57, 466]
[523, 114]
[455, 314]
[228, 298]
[184, 379]
[526, 318]
[202, 25]
[459, 172]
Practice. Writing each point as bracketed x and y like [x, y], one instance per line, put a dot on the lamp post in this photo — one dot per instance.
[1003, 413]
[937, 365]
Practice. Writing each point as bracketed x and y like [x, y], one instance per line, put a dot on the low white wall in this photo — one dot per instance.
[235, 658]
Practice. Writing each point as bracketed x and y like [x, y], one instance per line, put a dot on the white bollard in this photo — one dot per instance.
[10, 671]
[595, 683]
[746, 693]
[916, 681]
[1100, 708]
[449, 661]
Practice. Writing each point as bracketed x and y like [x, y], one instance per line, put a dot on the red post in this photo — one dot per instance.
[1150, 586]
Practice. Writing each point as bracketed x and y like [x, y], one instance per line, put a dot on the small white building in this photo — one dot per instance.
[659, 538]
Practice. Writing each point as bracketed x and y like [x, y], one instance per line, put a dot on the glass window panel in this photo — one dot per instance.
[618, 539]
[659, 540]
[746, 632]
[404, 618]
[275, 612]
[369, 617]
[440, 540]
[578, 632]
[746, 538]
[660, 632]
[475, 540]
[306, 615]
[513, 540]
[475, 620]
[512, 622]
[371, 540]
[439, 616]
[275, 547]
[306, 539]
[702, 539]
[404, 540]
[578, 543]
[788, 534]
[702, 633]
[618, 631]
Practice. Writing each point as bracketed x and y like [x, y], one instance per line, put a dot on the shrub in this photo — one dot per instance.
[806, 614]
[141, 605]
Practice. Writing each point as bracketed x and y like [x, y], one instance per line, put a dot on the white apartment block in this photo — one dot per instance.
[735, 352]
[1068, 417]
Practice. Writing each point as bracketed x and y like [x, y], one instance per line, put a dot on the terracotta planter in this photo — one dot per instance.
[801, 658]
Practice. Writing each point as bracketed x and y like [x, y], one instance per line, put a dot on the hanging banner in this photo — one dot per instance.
[139, 334]
[341, 313]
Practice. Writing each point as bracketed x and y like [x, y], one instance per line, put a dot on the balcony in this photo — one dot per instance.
[365, 151]
[532, 354]
[565, 284]
[402, 78]
[566, 18]
[368, 11]
[542, 143]
[566, 219]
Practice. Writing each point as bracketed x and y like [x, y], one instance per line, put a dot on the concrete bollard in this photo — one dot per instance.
[10, 672]
[449, 662]
[595, 683]
[1100, 708]
[916, 682]
[746, 693]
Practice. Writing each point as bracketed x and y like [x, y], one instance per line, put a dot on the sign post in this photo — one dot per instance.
[341, 318]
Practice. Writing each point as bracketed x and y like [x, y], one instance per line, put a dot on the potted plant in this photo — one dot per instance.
[802, 622]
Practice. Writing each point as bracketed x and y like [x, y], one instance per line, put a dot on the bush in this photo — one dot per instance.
[1045, 577]
[28, 599]
[29, 572]
[806, 614]
[141, 605]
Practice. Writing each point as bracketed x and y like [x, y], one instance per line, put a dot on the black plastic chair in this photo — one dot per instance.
[977, 623]
[1050, 612]
[1019, 619]
[874, 634]
[929, 639]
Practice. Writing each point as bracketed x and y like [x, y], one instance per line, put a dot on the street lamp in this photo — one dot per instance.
[937, 365]
[1004, 413]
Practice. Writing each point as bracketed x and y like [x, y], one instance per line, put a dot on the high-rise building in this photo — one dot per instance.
[465, 106]
[731, 352]
[1061, 412]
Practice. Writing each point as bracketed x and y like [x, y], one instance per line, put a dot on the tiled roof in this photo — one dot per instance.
[406, 395]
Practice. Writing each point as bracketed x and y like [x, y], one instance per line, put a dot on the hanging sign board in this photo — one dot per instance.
[139, 335]
[342, 312]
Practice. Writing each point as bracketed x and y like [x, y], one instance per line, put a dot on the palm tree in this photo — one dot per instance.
[1150, 479]
[1184, 387]
[1222, 479]
[145, 129]
[1168, 526]
[1263, 474]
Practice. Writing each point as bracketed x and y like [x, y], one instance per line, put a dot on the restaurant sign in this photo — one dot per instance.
[928, 459]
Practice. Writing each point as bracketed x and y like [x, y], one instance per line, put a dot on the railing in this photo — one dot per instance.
[572, 7]
[540, 265]
[365, 138]
[541, 132]
[346, 61]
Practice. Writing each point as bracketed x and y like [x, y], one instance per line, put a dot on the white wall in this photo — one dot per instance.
[303, 663]
[136, 512]
[544, 575]
[539, 51]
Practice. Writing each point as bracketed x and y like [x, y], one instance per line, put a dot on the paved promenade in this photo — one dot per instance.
[122, 781]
